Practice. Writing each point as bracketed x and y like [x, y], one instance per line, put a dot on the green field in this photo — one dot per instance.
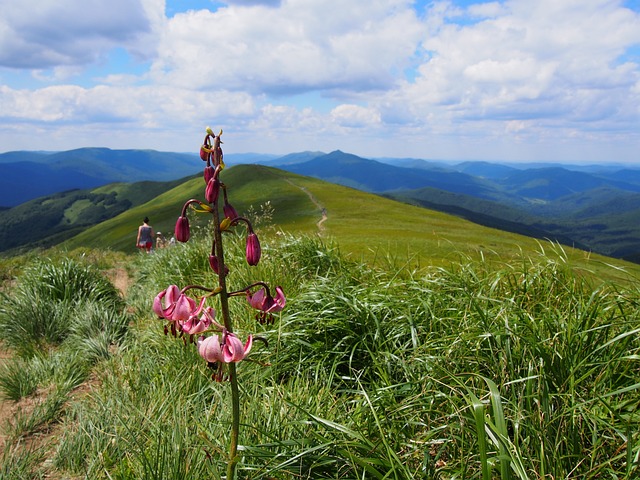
[413, 344]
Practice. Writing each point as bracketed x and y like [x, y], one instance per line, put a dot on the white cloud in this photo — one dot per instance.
[300, 46]
[114, 107]
[355, 116]
[536, 59]
[40, 34]
[492, 76]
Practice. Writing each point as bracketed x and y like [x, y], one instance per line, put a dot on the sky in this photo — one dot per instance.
[511, 80]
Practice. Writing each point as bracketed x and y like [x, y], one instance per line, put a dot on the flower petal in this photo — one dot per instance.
[209, 348]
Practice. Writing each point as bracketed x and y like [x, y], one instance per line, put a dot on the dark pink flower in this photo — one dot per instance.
[253, 249]
[170, 295]
[195, 325]
[233, 350]
[229, 350]
[264, 302]
[175, 306]
[182, 232]
[215, 265]
[209, 171]
[229, 211]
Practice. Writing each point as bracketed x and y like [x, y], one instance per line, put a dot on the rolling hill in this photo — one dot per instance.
[595, 208]
[592, 208]
[364, 225]
[49, 220]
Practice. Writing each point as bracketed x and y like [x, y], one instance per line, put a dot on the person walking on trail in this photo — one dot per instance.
[145, 235]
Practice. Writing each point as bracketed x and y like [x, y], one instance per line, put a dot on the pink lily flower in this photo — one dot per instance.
[265, 302]
[230, 350]
[176, 306]
[233, 350]
[195, 325]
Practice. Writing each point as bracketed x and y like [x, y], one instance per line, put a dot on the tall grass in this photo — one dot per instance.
[482, 370]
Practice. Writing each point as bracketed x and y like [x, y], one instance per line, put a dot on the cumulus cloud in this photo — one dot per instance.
[527, 71]
[527, 59]
[299, 46]
[355, 116]
[144, 106]
[40, 34]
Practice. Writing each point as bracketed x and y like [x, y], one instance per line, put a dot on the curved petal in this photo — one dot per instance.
[173, 293]
[278, 302]
[233, 350]
[157, 304]
[257, 300]
[194, 325]
[209, 349]
[184, 307]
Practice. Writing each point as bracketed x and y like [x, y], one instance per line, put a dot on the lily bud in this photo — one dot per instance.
[205, 153]
[253, 249]
[182, 232]
[215, 265]
[229, 211]
[209, 171]
[213, 190]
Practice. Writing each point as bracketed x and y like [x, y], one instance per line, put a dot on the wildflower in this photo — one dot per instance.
[178, 307]
[233, 350]
[253, 249]
[263, 301]
[205, 153]
[215, 265]
[195, 325]
[228, 210]
[209, 172]
[182, 232]
[227, 351]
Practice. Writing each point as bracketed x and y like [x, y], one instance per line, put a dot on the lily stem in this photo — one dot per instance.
[233, 378]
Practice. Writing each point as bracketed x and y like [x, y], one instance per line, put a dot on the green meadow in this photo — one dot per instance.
[413, 344]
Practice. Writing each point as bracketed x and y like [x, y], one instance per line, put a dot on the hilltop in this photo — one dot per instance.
[365, 226]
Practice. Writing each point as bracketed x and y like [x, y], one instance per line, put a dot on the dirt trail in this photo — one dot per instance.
[315, 201]
[121, 281]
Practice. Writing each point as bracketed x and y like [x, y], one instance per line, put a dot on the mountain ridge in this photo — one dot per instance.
[596, 208]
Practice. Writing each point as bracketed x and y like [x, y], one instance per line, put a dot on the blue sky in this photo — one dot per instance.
[512, 80]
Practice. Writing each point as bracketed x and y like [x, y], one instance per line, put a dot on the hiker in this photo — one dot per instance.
[161, 242]
[145, 235]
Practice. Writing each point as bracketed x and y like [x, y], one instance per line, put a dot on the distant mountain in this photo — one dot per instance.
[23, 181]
[293, 158]
[28, 175]
[594, 207]
[372, 176]
[494, 171]
[247, 158]
[557, 182]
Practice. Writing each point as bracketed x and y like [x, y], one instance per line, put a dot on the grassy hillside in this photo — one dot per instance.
[505, 361]
[366, 226]
[476, 370]
[48, 220]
